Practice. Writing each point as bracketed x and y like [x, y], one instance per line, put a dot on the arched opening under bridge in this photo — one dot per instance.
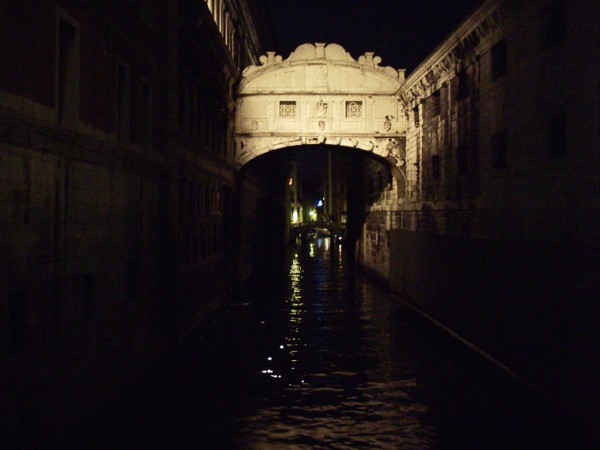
[319, 191]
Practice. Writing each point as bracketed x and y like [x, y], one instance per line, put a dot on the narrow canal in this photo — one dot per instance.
[317, 356]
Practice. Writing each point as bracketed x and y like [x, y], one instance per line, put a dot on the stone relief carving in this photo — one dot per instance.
[270, 58]
[393, 147]
[369, 59]
[387, 125]
[321, 109]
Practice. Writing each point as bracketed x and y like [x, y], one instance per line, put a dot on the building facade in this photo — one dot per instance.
[117, 190]
[493, 232]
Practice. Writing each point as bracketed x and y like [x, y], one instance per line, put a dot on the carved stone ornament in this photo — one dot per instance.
[321, 109]
[392, 146]
[322, 125]
[322, 52]
[387, 125]
[254, 125]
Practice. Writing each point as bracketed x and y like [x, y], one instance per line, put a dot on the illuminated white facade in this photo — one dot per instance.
[319, 95]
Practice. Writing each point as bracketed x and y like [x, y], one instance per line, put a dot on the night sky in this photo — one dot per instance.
[402, 32]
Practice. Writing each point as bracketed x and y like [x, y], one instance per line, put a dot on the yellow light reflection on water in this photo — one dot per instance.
[296, 304]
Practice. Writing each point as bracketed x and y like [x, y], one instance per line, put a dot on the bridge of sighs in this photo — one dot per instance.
[320, 95]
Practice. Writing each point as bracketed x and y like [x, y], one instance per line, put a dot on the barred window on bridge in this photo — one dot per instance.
[354, 109]
[287, 109]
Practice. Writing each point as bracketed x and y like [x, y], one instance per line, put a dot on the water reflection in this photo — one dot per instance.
[295, 310]
[342, 387]
[320, 357]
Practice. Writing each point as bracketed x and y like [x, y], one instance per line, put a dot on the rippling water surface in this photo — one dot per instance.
[337, 381]
[317, 356]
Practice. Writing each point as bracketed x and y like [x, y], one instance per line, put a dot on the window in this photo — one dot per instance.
[182, 186]
[498, 145]
[464, 88]
[499, 59]
[287, 109]
[435, 103]
[191, 196]
[222, 19]
[17, 331]
[462, 160]
[215, 240]
[187, 247]
[217, 11]
[147, 10]
[435, 167]
[68, 74]
[202, 112]
[416, 116]
[146, 115]
[183, 106]
[132, 280]
[192, 109]
[556, 135]
[207, 200]
[553, 24]
[122, 101]
[87, 294]
[354, 109]
[201, 200]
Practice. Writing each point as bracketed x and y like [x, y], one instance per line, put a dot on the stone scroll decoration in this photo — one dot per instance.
[319, 95]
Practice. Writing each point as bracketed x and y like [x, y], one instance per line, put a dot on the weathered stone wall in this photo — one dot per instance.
[82, 280]
[118, 213]
[381, 196]
[497, 236]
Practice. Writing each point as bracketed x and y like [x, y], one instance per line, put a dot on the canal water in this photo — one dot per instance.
[315, 355]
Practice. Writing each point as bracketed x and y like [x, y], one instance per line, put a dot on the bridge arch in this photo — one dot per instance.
[320, 95]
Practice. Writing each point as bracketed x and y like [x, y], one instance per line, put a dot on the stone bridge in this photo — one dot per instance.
[320, 95]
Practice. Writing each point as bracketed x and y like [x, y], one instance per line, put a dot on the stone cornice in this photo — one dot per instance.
[320, 53]
[456, 50]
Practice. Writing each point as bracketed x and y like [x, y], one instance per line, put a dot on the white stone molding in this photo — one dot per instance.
[318, 95]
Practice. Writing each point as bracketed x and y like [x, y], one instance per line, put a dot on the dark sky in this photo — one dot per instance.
[402, 32]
